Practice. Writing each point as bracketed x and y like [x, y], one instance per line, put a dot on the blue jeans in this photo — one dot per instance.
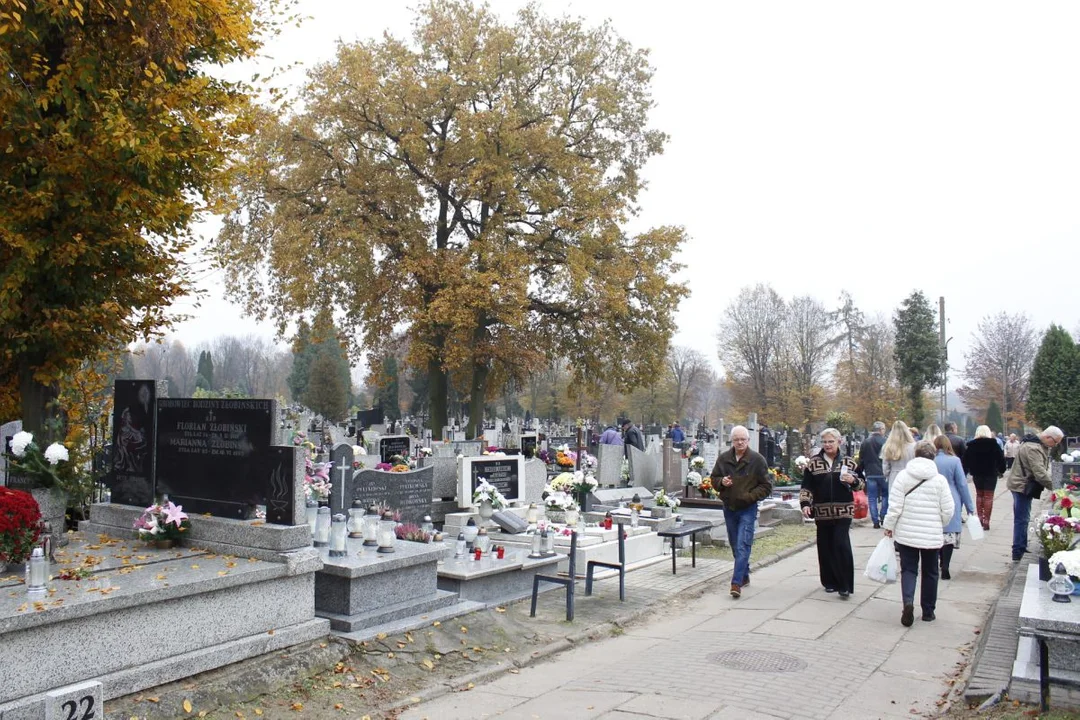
[740, 532]
[1021, 516]
[877, 487]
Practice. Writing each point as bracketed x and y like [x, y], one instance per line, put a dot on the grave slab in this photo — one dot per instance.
[493, 581]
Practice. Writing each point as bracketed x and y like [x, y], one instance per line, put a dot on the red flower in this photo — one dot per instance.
[1066, 502]
[20, 524]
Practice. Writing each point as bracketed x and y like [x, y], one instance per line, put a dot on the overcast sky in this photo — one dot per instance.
[822, 146]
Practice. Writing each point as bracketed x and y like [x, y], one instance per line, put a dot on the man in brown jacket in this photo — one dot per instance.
[1027, 478]
[741, 477]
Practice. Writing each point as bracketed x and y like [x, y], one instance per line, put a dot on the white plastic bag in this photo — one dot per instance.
[974, 528]
[881, 567]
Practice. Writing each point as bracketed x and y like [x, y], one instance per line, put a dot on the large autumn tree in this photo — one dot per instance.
[470, 186]
[111, 135]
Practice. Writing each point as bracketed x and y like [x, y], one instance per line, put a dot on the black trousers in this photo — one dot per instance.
[910, 558]
[835, 562]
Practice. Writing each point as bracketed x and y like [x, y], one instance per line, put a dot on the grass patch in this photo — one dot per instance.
[781, 538]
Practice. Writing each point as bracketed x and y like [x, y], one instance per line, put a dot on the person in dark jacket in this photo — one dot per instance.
[1029, 476]
[957, 442]
[877, 488]
[632, 436]
[985, 460]
[828, 495]
[741, 477]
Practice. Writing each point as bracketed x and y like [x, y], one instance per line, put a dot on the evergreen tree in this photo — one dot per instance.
[303, 354]
[918, 356]
[204, 377]
[327, 391]
[1054, 390]
[993, 417]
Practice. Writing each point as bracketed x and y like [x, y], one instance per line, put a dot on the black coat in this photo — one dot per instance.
[985, 460]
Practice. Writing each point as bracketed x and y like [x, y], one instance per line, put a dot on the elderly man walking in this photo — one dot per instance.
[741, 477]
[1028, 477]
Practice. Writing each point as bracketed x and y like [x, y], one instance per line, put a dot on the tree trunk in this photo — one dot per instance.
[916, 407]
[437, 399]
[477, 395]
[38, 405]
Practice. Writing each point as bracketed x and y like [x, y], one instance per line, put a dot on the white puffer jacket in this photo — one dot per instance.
[916, 520]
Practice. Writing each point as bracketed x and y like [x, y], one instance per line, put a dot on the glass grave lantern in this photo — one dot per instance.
[426, 525]
[337, 536]
[536, 551]
[1060, 584]
[483, 542]
[386, 532]
[311, 512]
[547, 543]
[371, 527]
[356, 520]
[322, 527]
[471, 531]
[38, 574]
[532, 515]
[459, 549]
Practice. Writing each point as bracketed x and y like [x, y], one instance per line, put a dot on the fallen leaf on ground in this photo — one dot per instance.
[187, 705]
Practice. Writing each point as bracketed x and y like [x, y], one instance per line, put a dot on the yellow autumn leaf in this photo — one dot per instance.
[428, 664]
[187, 705]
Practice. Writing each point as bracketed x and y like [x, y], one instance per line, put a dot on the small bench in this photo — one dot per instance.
[690, 529]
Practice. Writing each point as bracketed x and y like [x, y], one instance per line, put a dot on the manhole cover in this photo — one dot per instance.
[758, 661]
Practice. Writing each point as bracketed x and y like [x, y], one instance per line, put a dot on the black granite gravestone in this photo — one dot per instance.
[409, 492]
[392, 445]
[500, 472]
[131, 475]
[341, 457]
[280, 476]
[213, 455]
[528, 445]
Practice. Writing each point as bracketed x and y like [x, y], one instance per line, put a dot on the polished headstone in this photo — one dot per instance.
[409, 492]
[131, 476]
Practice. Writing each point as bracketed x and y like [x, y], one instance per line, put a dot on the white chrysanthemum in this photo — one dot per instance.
[19, 443]
[56, 453]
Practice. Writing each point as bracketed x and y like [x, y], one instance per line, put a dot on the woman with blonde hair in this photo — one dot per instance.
[895, 453]
[932, 431]
[985, 461]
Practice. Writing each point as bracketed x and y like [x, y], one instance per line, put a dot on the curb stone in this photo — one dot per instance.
[526, 659]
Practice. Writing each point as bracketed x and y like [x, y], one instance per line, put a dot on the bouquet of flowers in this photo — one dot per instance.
[707, 488]
[565, 457]
[1070, 559]
[624, 470]
[588, 461]
[20, 525]
[693, 478]
[162, 522]
[425, 452]
[1056, 533]
[563, 482]
[412, 533]
[560, 501]
[486, 491]
[398, 464]
[697, 464]
[801, 462]
[662, 499]
[317, 483]
[1065, 502]
[779, 479]
[48, 468]
[584, 482]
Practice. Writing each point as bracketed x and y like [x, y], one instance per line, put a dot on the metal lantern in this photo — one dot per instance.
[356, 520]
[322, 527]
[471, 531]
[386, 532]
[371, 527]
[337, 536]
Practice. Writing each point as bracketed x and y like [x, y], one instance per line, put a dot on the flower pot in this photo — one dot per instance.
[572, 517]
[1044, 569]
[661, 511]
[584, 500]
[485, 509]
[556, 516]
[53, 505]
[166, 544]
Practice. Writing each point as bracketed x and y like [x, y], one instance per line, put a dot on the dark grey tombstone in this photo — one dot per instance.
[339, 480]
[391, 445]
[213, 454]
[527, 442]
[131, 477]
[409, 492]
[500, 473]
[285, 469]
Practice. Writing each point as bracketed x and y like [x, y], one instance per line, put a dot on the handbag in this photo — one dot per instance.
[1033, 489]
[862, 505]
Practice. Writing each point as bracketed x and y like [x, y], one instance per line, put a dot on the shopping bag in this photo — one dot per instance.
[974, 528]
[881, 567]
[862, 505]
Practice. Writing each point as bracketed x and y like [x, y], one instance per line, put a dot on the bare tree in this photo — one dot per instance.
[810, 344]
[998, 366]
[749, 339]
[686, 367]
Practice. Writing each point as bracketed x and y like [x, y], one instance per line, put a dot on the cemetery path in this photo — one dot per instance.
[786, 649]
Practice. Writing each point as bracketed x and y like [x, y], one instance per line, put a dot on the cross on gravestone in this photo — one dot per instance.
[342, 458]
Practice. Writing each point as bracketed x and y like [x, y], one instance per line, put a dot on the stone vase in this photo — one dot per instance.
[486, 510]
[1044, 569]
[661, 511]
[556, 516]
[52, 502]
[584, 500]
